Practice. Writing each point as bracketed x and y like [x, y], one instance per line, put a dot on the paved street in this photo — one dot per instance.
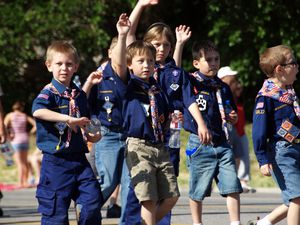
[20, 208]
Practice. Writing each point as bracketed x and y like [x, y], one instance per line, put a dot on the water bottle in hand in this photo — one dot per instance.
[228, 110]
[94, 126]
[7, 153]
[175, 127]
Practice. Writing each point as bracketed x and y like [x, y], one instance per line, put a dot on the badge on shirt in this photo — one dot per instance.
[288, 131]
[259, 105]
[175, 73]
[146, 109]
[60, 126]
[174, 87]
[201, 103]
[108, 105]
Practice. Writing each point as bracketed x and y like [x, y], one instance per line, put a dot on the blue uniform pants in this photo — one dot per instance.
[132, 214]
[66, 178]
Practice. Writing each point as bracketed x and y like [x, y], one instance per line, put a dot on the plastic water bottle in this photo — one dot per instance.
[7, 153]
[94, 126]
[228, 110]
[76, 81]
[175, 127]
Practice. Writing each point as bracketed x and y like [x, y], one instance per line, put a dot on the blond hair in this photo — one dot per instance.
[64, 47]
[271, 57]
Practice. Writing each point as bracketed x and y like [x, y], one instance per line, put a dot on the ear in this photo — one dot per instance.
[196, 64]
[48, 65]
[278, 69]
[76, 67]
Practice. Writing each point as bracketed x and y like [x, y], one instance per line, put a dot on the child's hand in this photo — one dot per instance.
[204, 134]
[183, 34]
[93, 137]
[266, 169]
[145, 3]
[232, 117]
[95, 77]
[123, 25]
[74, 123]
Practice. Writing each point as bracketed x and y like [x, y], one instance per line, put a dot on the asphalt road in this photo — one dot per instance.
[20, 208]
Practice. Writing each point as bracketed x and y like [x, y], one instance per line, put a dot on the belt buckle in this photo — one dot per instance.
[297, 141]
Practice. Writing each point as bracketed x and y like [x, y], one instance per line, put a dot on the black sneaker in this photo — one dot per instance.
[113, 211]
[1, 212]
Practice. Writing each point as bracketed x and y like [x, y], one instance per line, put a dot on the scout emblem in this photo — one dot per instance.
[60, 126]
[288, 131]
[108, 107]
[146, 109]
[174, 86]
[201, 103]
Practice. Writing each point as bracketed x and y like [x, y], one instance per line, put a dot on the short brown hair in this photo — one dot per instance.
[158, 30]
[201, 47]
[271, 57]
[18, 105]
[138, 48]
[62, 47]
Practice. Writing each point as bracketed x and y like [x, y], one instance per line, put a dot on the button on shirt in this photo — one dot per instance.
[105, 99]
[136, 111]
[48, 135]
[268, 116]
[205, 93]
[174, 81]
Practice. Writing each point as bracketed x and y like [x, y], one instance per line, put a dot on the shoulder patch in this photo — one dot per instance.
[259, 105]
[44, 96]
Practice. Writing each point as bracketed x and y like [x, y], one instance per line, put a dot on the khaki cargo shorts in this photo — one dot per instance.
[151, 171]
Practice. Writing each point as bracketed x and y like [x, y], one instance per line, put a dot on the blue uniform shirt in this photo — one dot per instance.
[268, 116]
[205, 92]
[136, 111]
[174, 81]
[105, 99]
[48, 135]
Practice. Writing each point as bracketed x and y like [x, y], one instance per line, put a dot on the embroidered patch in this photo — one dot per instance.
[201, 103]
[44, 96]
[288, 131]
[146, 109]
[259, 111]
[175, 73]
[60, 126]
[204, 92]
[259, 105]
[174, 87]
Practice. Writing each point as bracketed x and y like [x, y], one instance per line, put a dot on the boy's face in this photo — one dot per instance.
[142, 65]
[232, 82]
[208, 64]
[288, 71]
[163, 48]
[62, 66]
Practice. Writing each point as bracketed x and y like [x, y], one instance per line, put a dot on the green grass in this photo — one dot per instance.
[9, 174]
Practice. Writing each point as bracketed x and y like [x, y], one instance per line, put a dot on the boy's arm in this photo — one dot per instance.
[183, 34]
[203, 132]
[118, 59]
[135, 17]
[94, 78]
[72, 122]
[260, 131]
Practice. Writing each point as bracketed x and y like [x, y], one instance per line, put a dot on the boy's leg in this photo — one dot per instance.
[293, 216]
[109, 158]
[148, 212]
[132, 212]
[233, 206]
[196, 210]
[165, 207]
[89, 197]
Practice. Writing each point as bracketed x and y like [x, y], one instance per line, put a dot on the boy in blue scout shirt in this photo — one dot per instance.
[61, 114]
[145, 114]
[276, 126]
[105, 102]
[214, 160]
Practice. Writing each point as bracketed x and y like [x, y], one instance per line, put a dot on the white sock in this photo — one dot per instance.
[264, 221]
[235, 222]
[197, 223]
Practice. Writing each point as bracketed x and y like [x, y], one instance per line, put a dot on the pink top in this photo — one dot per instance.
[19, 128]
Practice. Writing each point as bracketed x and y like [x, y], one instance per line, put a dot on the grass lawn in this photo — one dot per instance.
[9, 174]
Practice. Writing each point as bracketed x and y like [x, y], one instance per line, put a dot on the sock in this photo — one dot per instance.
[197, 223]
[235, 222]
[264, 221]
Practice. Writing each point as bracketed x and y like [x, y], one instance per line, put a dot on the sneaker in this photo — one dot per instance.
[252, 222]
[247, 189]
[113, 211]
[1, 212]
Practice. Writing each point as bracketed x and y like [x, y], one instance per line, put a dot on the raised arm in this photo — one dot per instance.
[135, 18]
[118, 58]
[183, 34]
[94, 78]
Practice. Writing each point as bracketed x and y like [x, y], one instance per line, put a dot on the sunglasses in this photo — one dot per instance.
[293, 63]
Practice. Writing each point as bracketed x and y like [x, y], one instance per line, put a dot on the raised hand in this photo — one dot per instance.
[123, 24]
[95, 77]
[183, 33]
[145, 3]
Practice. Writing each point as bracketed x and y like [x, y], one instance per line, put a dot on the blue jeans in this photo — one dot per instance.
[110, 164]
[207, 162]
[286, 169]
